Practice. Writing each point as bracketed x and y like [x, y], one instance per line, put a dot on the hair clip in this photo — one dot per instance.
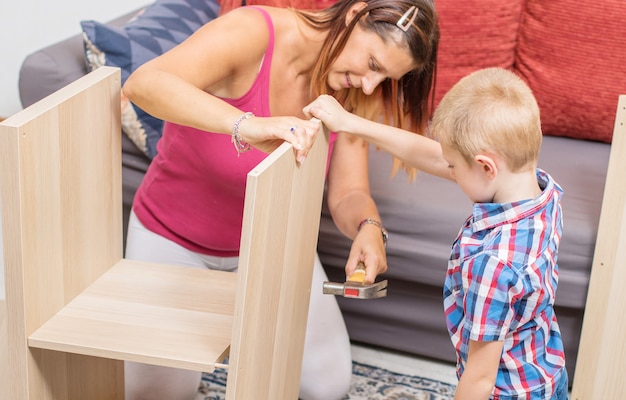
[403, 23]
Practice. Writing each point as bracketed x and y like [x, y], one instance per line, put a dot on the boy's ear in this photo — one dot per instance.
[354, 10]
[487, 164]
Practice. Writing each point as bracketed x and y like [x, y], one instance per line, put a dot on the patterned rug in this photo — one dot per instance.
[368, 383]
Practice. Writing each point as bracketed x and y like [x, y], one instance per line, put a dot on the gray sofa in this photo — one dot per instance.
[423, 216]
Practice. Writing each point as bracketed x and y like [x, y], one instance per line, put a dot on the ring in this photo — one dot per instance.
[292, 129]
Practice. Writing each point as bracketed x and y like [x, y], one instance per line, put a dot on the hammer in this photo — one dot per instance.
[355, 288]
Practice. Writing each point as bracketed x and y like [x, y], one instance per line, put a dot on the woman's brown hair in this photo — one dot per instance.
[406, 103]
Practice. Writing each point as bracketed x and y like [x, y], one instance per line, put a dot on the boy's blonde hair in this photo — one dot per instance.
[491, 110]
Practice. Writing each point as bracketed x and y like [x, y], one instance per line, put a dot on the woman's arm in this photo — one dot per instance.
[415, 150]
[350, 202]
[184, 84]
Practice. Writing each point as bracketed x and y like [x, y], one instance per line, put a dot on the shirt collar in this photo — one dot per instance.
[490, 215]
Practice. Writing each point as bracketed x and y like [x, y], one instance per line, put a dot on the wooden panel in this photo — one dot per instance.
[60, 169]
[156, 314]
[75, 307]
[278, 245]
[602, 352]
[4, 348]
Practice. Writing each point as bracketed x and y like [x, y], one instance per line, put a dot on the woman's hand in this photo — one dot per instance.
[268, 133]
[330, 112]
[368, 247]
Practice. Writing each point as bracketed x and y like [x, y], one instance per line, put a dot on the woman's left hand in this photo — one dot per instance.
[368, 247]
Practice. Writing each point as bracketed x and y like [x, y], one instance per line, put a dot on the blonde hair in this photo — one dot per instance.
[491, 110]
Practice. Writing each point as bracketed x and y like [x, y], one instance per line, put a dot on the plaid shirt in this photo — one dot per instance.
[500, 285]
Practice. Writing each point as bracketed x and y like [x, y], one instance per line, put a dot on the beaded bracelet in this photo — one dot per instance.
[236, 139]
[378, 224]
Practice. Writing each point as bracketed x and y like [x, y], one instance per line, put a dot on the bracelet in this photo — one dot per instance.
[378, 224]
[236, 139]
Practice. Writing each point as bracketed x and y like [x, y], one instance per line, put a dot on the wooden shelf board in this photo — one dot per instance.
[163, 315]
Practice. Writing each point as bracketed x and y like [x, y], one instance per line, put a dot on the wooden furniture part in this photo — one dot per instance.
[77, 308]
[602, 351]
[4, 348]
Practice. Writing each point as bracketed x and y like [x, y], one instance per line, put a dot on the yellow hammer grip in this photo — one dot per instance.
[359, 273]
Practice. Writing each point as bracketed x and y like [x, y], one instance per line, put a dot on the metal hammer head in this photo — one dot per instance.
[355, 288]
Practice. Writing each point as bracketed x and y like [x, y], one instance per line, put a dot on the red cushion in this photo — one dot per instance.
[475, 34]
[573, 56]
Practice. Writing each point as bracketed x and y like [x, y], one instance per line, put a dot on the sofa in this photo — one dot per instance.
[571, 57]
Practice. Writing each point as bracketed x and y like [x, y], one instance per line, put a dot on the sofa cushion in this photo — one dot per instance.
[156, 29]
[49, 69]
[573, 57]
[474, 34]
[53, 67]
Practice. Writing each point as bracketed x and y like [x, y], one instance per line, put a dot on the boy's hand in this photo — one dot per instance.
[330, 112]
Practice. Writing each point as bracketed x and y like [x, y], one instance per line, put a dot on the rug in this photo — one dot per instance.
[368, 383]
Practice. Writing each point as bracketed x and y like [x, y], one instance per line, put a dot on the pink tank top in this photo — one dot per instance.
[193, 191]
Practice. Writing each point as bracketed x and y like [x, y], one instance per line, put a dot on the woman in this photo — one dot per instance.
[243, 80]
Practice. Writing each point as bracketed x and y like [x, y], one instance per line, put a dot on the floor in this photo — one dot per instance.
[392, 361]
[404, 364]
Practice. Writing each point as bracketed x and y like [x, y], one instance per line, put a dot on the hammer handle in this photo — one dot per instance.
[359, 273]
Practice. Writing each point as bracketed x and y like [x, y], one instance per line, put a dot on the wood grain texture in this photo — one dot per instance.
[60, 169]
[155, 314]
[278, 246]
[602, 352]
[4, 350]
[76, 308]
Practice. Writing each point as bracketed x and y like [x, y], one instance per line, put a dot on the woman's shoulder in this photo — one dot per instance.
[242, 23]
[229, 5]
[255, 19]
[283, 21]
[259, 10]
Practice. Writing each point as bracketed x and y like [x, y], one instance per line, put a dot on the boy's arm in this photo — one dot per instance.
[415, 150]
[481, 369]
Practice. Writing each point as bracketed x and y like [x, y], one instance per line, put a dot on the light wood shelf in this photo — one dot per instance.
[162, 315]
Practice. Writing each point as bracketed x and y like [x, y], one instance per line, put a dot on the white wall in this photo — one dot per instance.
[28, 25]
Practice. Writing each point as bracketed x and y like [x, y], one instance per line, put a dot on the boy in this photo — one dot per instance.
[502, 274]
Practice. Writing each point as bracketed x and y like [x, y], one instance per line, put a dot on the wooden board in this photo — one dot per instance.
[155, 314]
[4, 351]
[60, 169]
[76, 309]
[602, 352]
[278, 246]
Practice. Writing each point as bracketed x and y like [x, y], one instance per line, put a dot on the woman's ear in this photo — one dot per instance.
[487, 164]
[354, 10]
